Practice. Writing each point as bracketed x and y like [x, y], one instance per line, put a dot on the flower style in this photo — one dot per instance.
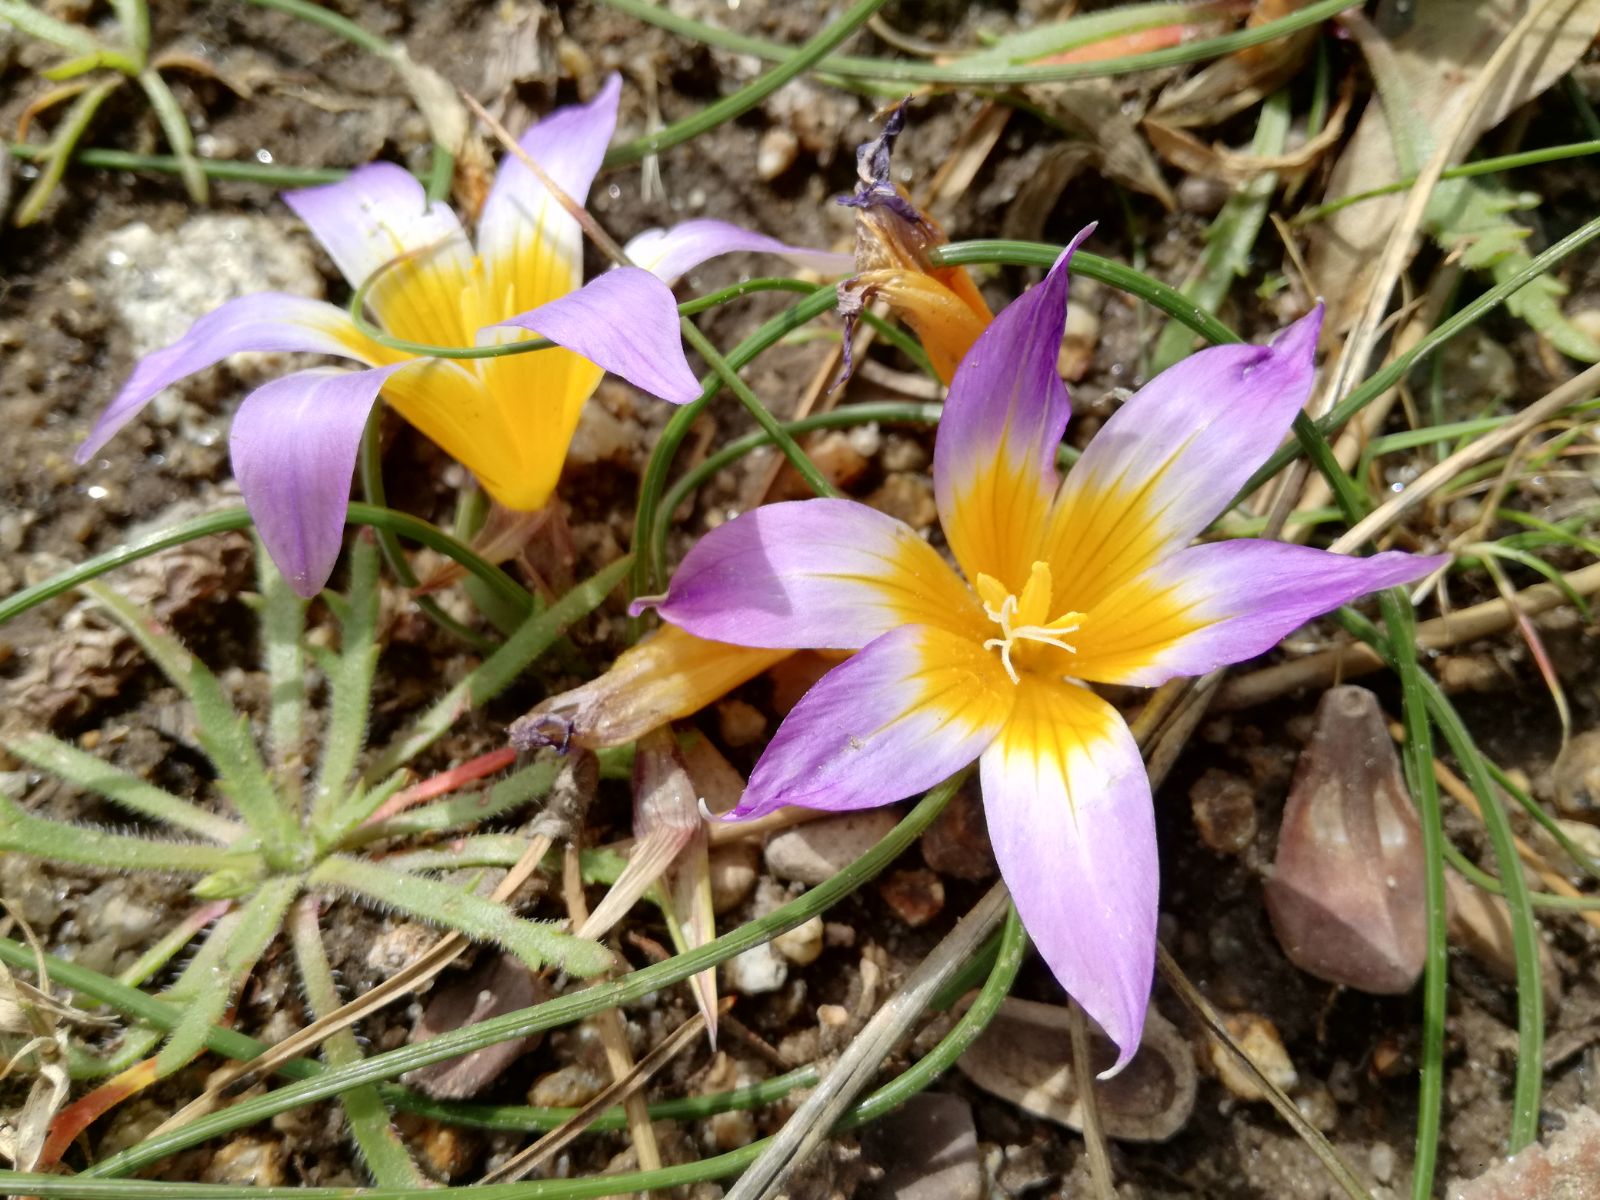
[508, 419]
[1091, 580]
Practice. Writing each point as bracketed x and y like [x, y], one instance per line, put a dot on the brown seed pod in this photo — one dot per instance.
[1346, 892]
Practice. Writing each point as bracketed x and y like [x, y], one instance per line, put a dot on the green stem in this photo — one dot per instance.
[267, 174]
[822, 299]
[883, 70]
[369, 471]
[730, 378]
[1386, 377]
[1483, 166]
[1040, 254]
[753, 93]
[333, 23]
[909, 412]
[228, 519]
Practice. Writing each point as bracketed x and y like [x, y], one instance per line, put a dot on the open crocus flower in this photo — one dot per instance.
[508, 419]
[1091, 580]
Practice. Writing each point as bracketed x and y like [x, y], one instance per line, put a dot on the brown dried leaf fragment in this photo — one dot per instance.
[1025, 1056]
[1346, 893]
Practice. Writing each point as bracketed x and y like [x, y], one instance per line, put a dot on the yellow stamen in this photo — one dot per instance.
[1023, 618]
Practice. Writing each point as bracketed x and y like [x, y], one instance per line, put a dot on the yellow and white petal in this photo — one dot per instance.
[531, 246]
[910, 709]
[817, 574]
[1167, 462]
[1068, 807]
[994, 458]
[378, 224]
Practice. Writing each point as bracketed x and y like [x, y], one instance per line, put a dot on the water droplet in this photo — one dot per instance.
[614, 191]
[263, 156]
[96, 492]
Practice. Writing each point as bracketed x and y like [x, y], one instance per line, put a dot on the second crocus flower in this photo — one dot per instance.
[507, 419]
[1058, 585]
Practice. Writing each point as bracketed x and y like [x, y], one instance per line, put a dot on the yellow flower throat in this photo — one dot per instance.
[1023, 618]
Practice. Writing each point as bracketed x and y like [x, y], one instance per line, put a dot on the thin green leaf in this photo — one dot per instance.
[380, 1146]
[84, 770]
[67, 135]
[225, 736]
[552, 1013]
[282, 624]
[57, 841]
[536, 943]
[349, 684]
[219, 969]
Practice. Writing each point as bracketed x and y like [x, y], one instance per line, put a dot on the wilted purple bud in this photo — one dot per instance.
[1346, 892]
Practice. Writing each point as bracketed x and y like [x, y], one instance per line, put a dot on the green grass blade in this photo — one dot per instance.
[752, 94]
[283, 621]
[219, 969]
[84, 770]
[349, 684]
[386, 1156]
[537, 943]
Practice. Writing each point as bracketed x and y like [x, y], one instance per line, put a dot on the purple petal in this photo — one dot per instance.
[1172, 457]
[625, 321]
[994, 457]
[381, 214]
[812, 574]
[910, 709]
[670, 254]
[1069, 813]
[294, 445]
[1225, 602]
[524, 227]
[265, 321]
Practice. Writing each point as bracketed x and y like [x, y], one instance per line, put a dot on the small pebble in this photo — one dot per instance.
[957, 843]
[448, 1151]
[734, 867]
[907, 497]
[916, 896]
[818, 850]
[801, 945]
[1259, 1040]
[759, 969]
[572, 1086]
[730, 1130]
[776, 153]
[740, 723]
[1224, 808]
[246, 1161]
[1380, 1158]
[834, 1016]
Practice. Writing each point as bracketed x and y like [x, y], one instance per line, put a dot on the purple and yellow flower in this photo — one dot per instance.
[508, 419]
[1058, 585]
